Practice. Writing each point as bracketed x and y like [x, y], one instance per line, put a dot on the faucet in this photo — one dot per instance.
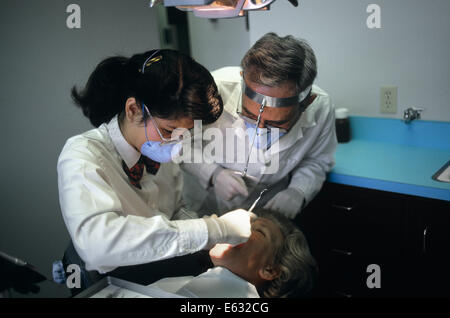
[411, 114]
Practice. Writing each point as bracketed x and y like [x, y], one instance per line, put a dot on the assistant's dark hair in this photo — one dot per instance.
[174, 86]
[298, 268]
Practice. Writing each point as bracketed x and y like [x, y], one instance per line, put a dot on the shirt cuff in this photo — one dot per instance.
[193, 235]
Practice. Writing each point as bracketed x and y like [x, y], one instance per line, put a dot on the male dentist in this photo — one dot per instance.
[290, 136]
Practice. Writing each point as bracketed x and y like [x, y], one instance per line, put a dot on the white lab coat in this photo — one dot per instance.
[217, 282]
[111, 222]
[305, 154]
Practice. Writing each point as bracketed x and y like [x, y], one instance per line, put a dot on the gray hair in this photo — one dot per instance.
[298, 269]
[274, 60]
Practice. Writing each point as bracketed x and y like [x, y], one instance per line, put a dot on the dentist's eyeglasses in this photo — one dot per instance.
[255, 122]
[177, 134]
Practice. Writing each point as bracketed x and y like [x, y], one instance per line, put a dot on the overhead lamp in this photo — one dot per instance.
[217, 9]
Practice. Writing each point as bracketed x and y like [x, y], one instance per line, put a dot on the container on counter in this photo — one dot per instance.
[342, 125]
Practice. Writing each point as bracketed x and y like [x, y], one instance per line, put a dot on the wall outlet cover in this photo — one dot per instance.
[388, 99]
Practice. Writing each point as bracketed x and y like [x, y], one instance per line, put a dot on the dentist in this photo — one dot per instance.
[120, 195]
[288, 120]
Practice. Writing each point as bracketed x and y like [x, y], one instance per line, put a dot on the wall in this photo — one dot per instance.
[218, 43]
[40, 60]
[411, 50]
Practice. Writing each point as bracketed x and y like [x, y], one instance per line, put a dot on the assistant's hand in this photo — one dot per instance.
[288, 202]
[227, 184]
[233, 228]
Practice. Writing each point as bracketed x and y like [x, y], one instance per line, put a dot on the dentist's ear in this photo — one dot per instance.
[269, 272]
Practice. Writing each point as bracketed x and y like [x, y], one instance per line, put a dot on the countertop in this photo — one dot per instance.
[390, 155]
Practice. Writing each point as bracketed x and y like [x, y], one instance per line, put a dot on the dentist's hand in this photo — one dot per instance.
[232, 228]
[288, 202]
[227, 184]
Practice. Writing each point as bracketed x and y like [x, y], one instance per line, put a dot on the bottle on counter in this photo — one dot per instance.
[342, 125]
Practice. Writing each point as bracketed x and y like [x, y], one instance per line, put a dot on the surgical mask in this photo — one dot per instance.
[264, 137]
[159, 151]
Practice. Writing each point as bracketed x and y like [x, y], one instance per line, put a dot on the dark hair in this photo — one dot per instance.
[274, 60]
[298, 269]
[174, 86]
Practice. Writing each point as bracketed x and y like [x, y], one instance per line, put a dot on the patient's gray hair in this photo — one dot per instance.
[298, 269]
[274, 60]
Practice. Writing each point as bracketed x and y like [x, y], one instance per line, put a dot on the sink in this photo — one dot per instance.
[443, 174]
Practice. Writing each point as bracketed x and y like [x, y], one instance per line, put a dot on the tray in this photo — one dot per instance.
[111, 287]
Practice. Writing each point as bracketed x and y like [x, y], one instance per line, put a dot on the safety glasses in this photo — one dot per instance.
[177, 135]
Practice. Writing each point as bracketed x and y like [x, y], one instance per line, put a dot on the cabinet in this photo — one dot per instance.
[429, 246]
[408, 238]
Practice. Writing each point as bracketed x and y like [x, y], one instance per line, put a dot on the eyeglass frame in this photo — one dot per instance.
[164, 140]
[255, 122]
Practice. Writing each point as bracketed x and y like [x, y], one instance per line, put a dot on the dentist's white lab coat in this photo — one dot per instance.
[111, 222]
[305, 154]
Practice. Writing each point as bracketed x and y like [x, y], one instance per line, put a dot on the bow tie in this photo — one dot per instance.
[135, 173]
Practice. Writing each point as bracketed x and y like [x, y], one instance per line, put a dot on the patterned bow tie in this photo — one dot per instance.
[135, 173]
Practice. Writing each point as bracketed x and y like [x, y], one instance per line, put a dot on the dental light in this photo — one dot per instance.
[219, 8]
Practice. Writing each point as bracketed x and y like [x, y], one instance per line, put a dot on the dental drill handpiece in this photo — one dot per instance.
[261, 109]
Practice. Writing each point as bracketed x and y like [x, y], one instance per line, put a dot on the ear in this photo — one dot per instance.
[132, 110]
[269, 272]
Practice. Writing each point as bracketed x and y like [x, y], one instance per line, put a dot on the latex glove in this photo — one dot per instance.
[288, 202]
[227, 184]
[184, 214]
[233, 228]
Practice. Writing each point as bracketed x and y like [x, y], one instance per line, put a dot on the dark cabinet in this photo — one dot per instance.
[356, 233]
[429, 246]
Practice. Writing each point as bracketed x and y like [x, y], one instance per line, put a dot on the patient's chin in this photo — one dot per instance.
[220, 251]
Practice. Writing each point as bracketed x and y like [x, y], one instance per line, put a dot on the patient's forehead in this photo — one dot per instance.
[271, 226]
[266, 221]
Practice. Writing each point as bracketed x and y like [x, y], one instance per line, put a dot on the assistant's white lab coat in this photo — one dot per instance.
[217, 282]
[305, 154]
[111, 222]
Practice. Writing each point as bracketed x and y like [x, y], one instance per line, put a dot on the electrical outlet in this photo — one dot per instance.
[388, 99]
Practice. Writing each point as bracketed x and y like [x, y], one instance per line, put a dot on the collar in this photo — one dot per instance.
[129, 155]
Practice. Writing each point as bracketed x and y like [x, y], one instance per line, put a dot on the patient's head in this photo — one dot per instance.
[276, 258]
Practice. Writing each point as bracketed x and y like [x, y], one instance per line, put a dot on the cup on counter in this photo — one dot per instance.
[342, 125]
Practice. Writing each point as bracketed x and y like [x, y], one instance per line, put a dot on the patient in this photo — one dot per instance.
[274, 262]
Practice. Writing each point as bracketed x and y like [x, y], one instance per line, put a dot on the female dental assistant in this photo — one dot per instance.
[119, 193]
